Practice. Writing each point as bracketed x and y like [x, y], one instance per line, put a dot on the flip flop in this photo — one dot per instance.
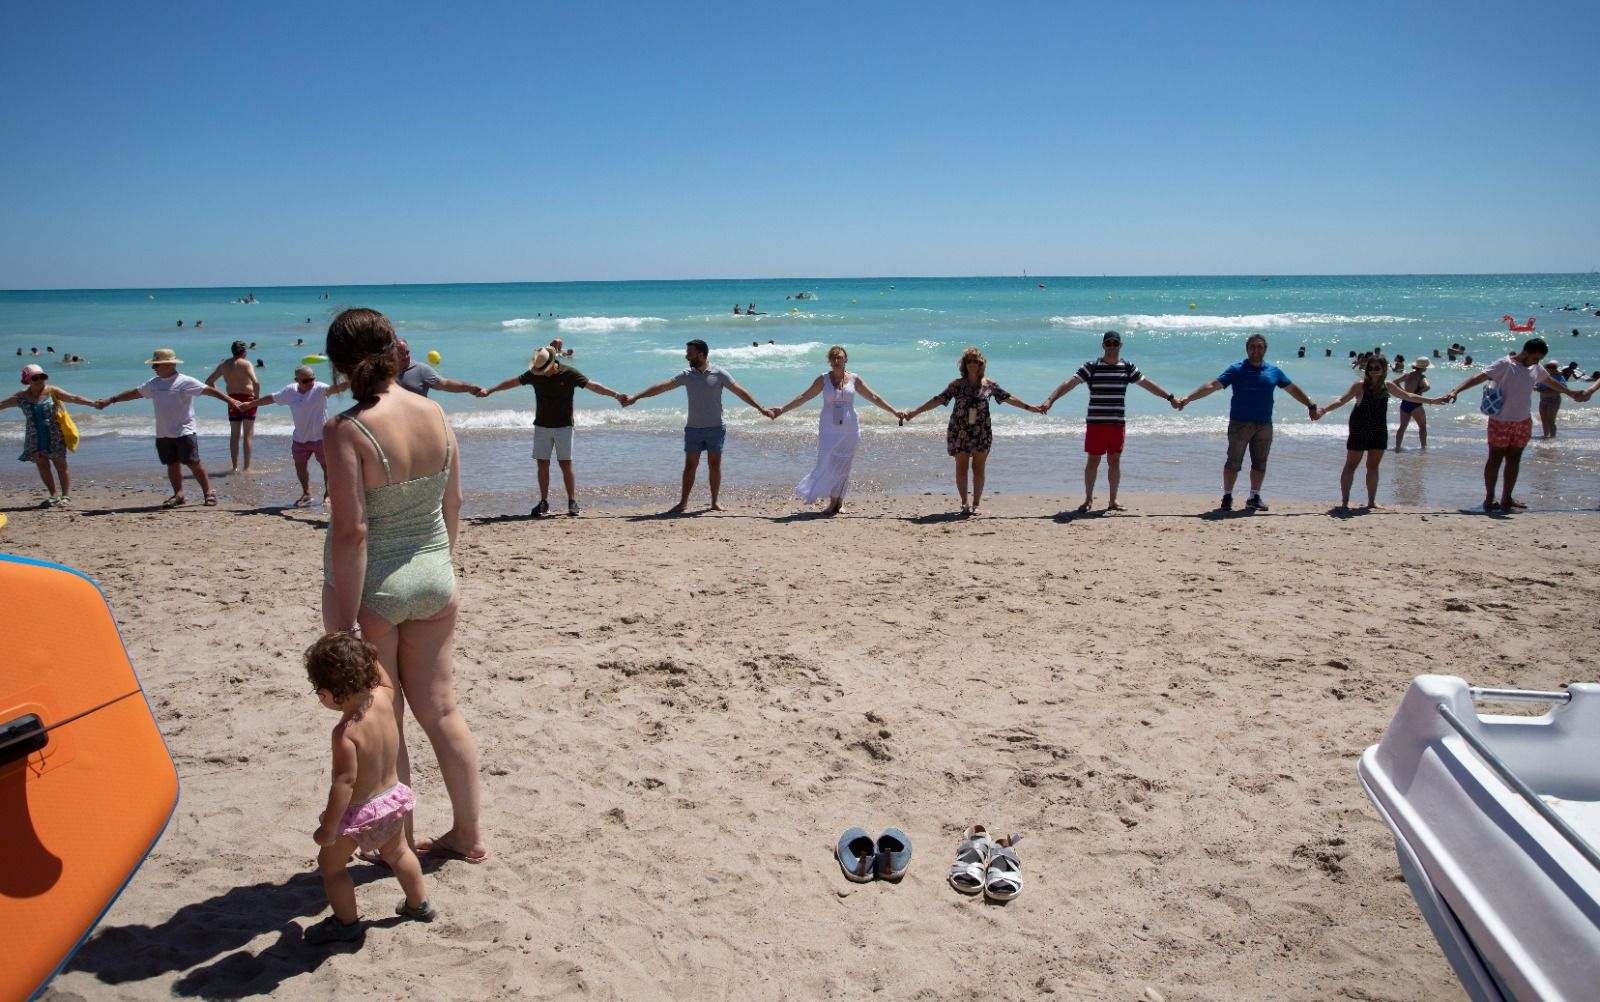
[174, 501]
[211, 500]
[304, 502]
[1082, 509]
[440, 849]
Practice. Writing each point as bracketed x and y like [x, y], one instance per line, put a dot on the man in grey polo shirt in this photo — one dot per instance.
[419, 377]
[704, 383]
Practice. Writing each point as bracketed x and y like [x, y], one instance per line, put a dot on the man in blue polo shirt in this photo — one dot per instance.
[1250, 416]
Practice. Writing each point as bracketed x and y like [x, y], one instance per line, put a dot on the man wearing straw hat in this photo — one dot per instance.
[177, 443]
[554, 386]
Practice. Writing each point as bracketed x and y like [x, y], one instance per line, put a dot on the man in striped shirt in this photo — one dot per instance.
[1108, 377]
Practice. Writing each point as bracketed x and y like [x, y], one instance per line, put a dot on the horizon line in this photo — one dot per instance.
[795, 278]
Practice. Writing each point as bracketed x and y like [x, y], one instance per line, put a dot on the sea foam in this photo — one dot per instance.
[1201, 321]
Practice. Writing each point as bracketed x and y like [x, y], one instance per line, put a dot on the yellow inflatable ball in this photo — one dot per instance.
[313, 359]
[1191, 306]
[434, 358]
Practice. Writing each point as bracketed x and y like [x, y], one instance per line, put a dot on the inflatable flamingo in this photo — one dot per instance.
[1519, 328]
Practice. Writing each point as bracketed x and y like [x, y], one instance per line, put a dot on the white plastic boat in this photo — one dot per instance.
[1496, 821]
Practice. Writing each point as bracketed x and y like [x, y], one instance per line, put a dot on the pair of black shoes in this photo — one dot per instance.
[1254, 503]
[542, 509]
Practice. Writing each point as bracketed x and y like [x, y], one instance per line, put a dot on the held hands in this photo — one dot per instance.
[100, 405]
[481, 392]
[626, 400]
[1446, 399]
[771, 412]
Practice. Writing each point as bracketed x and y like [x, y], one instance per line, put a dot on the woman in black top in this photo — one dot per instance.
[1369, 425]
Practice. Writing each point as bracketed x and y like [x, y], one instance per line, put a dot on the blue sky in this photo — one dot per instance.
[203, 144]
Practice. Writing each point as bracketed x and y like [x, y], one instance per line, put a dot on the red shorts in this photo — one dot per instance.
[1103, 439]
[303, 451]
[244, 414]
[1510, 434]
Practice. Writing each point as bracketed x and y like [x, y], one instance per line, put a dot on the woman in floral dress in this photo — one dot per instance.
[970, 435]
[43, 442]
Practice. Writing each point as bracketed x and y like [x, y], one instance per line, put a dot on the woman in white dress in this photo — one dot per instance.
[838, 431]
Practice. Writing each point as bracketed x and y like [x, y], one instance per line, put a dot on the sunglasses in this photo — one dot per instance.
[306, 379]
[38, 379]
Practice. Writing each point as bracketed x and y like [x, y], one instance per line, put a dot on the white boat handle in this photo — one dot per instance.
[1518, 696]
[1543, 809]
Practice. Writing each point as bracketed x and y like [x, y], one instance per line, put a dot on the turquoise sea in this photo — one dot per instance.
[904, 336]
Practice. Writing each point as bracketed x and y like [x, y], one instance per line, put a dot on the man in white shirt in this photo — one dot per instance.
[177, 443]
[1511, 424]
[307, 400]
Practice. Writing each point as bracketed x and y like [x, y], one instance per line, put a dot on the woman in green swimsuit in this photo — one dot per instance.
[394, 490]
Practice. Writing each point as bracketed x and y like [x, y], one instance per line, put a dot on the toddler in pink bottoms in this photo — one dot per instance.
[367, 803]
[380, 819]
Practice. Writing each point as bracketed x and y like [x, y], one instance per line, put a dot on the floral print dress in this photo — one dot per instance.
[43, 437]
[969, 429]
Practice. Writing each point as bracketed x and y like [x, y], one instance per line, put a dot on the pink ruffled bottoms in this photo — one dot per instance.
[380, 819]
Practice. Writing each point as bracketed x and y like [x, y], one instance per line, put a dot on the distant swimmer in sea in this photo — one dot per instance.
[1327, 353]
[300, 340]
[180, 323]
[737, 310]
[555, 343]
[1301, 353]
[750, 311]
[755, 344]
[199, 323]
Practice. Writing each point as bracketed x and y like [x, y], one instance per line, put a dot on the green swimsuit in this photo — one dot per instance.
[409, 572]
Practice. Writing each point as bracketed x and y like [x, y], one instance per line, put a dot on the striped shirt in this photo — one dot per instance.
[1108, 389]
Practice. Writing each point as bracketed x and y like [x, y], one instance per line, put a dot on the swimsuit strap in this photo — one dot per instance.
[387, 479]
[446, 422]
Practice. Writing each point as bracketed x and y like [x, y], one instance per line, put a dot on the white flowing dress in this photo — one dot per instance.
[838, 434]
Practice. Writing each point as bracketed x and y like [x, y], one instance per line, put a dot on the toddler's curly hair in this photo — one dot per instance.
[343, 664]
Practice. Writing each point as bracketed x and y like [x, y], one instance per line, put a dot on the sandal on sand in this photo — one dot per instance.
[894, 854]
[966, 509]
[1003, 879]
[857, 855]
[211, 499]
[304, 502]
[438, 848]
[972, 859]
[1082, 509]
[174, 501]
[331, 930]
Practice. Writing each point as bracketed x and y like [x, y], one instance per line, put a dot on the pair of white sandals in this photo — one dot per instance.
[987, 865]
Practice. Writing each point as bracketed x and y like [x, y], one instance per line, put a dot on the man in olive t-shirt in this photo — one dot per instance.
[554, 386]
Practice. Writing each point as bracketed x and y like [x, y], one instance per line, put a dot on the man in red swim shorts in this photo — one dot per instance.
[1108, 377]
[1511, 421]
[243, 386]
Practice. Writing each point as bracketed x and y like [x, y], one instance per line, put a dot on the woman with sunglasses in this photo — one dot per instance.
[970, 435]
[43, 441]
[1369, 424]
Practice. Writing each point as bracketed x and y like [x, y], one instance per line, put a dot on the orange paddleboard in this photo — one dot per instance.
[86, 784]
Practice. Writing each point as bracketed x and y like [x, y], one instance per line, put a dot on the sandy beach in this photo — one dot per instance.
[677, 718]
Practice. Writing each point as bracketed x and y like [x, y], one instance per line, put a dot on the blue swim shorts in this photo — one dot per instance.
[704, 439]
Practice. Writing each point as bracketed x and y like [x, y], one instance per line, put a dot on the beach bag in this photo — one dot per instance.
[1492, 401]
[69, 429]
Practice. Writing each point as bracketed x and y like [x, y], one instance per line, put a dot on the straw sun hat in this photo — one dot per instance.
[164, 356]
[1420, 363]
